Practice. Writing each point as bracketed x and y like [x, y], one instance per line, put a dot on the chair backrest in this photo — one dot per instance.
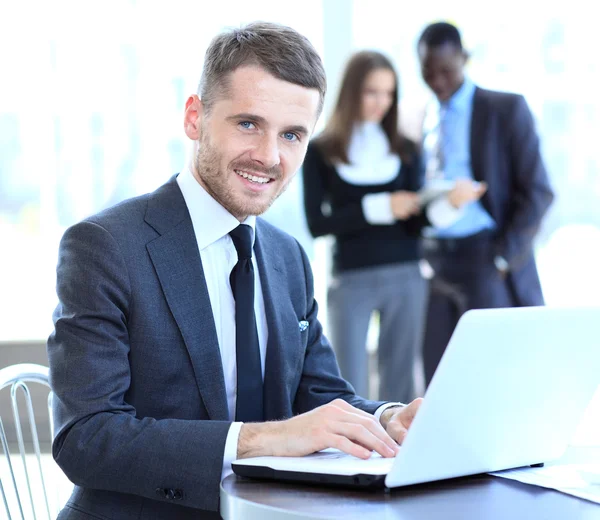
[16, 377]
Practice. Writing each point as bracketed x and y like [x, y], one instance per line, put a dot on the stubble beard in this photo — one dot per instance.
[216, 182]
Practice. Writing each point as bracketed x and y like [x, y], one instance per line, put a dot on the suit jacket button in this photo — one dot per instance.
[178, 495]
[169, 494]
[160, 492]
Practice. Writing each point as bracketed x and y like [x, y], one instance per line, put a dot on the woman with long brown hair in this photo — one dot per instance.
[361, 178]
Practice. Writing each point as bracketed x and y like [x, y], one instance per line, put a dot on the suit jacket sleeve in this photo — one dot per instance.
[100, 442]
[321, 381]
[339, 221]
[531, 194]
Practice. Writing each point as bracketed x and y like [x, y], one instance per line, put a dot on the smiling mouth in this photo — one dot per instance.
[253, 178]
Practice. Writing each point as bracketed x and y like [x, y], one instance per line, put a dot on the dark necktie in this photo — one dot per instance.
[249, 406]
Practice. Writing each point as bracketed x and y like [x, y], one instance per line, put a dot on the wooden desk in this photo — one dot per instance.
[468, 498]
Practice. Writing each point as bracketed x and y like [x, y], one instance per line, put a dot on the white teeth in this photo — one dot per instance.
[253, 178]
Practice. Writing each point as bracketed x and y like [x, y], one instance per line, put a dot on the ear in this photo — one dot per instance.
[192, 121]
[465, 57]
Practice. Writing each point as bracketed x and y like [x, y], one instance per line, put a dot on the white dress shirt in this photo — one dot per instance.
[371, 163]
[212, 224]
[371, 160]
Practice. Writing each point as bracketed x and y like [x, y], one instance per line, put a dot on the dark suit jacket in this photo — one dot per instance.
[505, 153]
[139, 395]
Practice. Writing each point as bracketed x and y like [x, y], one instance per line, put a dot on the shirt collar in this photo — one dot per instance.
[211, 221]
[368, 144]
[461, 99]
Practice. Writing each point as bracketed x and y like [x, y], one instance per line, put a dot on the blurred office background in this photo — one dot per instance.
[92, 97]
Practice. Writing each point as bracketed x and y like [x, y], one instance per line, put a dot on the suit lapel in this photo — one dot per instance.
[282, 326]
[176, 258]
[479, 142]
[478, 127]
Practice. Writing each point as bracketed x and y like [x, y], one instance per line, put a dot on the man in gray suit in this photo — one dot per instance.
[184, 339]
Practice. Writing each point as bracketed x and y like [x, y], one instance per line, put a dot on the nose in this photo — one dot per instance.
[266, 151]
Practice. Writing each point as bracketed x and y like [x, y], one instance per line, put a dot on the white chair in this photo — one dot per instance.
[16, 377]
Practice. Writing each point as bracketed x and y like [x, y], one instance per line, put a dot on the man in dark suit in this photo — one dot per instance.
[486, 141]
[184, 339]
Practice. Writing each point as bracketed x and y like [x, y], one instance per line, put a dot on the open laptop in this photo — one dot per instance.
[509, 392]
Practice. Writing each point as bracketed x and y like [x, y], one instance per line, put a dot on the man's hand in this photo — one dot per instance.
[397, 421]
[466, 191]
[334, 425]
[404, 204]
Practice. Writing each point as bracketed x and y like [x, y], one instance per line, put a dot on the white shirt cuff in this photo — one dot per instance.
[384, 407]
[231, 445]
[501, 264]
[442, 214]
[377, 208]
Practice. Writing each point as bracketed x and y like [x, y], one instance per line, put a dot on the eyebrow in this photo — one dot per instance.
[300, 129]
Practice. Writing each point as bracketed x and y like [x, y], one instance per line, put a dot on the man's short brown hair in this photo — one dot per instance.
[281, 51]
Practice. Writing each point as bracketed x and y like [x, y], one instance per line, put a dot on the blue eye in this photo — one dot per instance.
[290, 136]
[247, 125]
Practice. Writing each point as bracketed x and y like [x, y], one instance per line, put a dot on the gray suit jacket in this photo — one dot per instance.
[140, 406]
